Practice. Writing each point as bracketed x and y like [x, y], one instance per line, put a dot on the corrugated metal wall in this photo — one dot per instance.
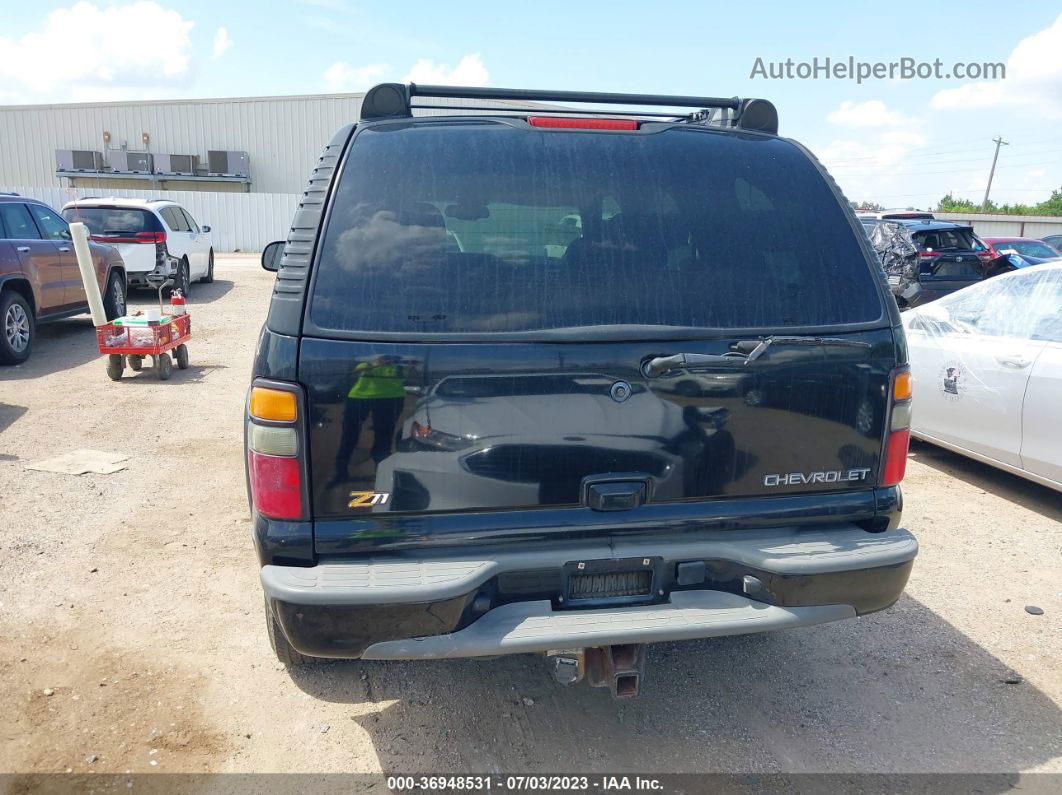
[282, 135]
[988, 225]
[237, 221]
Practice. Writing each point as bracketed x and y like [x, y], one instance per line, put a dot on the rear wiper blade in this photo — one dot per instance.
[745, 352]
[819, 342]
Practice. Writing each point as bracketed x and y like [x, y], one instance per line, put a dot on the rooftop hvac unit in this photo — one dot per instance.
[177, 165]
[126, 162]
[78, 160]
[228, 164]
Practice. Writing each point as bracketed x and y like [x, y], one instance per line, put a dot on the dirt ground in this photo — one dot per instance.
[132, 635]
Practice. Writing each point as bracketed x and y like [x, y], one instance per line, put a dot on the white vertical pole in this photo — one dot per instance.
[88, 273]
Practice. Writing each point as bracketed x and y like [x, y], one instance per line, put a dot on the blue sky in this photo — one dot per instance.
[899, 142]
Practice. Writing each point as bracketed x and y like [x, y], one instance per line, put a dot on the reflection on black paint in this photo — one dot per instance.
[377, 394]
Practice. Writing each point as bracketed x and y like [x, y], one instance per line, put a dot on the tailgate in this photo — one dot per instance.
[959, 266]
[138, 257]
[408, 429]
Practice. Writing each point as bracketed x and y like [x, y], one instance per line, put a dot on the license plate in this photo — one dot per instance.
[610, 585]
[627, 580]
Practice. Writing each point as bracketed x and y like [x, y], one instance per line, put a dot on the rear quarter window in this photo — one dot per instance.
[484, 227]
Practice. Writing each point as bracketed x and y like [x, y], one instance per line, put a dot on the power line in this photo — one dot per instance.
[1045, 189]
[938, 192]
[949, 149]
[864, 174]
[1027, 158]
[952, 144]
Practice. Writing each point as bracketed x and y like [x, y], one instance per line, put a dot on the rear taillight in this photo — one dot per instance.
[138, 237]
[927, 253]
[274, 466]
[276, 489]
[899, 433]
[582, 124]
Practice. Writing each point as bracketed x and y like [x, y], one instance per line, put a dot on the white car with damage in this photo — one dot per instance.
[154, 236]
[987, 367]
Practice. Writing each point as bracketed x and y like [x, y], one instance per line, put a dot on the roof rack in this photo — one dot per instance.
[395, 100]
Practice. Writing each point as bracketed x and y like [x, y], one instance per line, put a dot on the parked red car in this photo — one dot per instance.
[1028, 248]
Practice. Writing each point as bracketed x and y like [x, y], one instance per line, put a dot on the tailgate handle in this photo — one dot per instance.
[616, 495]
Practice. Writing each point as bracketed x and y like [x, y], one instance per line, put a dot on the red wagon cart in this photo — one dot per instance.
[132, 338]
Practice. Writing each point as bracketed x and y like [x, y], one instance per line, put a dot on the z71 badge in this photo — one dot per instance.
[366, 499]
[831, 476]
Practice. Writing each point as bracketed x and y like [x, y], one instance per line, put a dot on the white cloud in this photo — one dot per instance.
[1034, 79]
[864, 166]
[872, 113]
[222, 42]
[878, 154]
[85, 50]
[341, 76]
[867, 168]
[469, 71]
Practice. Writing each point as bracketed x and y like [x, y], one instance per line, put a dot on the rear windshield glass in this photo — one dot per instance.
[113, 221]
[944, 239]
[482, 227]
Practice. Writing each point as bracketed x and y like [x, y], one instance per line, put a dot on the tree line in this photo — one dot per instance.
[953, 204]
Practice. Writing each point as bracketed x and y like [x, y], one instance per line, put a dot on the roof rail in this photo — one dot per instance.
[395, 100]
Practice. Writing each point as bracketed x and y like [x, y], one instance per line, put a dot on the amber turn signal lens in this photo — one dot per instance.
[901, 385]
[272, 404]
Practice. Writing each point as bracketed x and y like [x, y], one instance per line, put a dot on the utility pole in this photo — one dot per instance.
[998, 141]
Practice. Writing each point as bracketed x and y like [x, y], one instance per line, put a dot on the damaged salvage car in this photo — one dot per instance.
[987, 363]
[925, 259]
[543, 383]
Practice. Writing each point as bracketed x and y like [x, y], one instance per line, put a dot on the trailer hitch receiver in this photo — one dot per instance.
[619, 668]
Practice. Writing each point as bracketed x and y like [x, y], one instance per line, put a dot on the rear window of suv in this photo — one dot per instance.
[480, 227]
[944, 239]
[113, 221]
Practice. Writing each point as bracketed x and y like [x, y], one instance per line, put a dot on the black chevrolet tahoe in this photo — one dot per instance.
[471, 429]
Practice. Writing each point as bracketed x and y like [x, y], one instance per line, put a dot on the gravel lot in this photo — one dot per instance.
[132, 637]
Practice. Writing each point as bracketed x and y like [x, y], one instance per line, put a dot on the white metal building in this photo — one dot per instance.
[283, 137]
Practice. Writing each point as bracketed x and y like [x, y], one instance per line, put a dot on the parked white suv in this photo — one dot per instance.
[152, 235]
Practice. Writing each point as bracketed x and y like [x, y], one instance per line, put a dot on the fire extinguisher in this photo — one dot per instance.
[177, 303]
